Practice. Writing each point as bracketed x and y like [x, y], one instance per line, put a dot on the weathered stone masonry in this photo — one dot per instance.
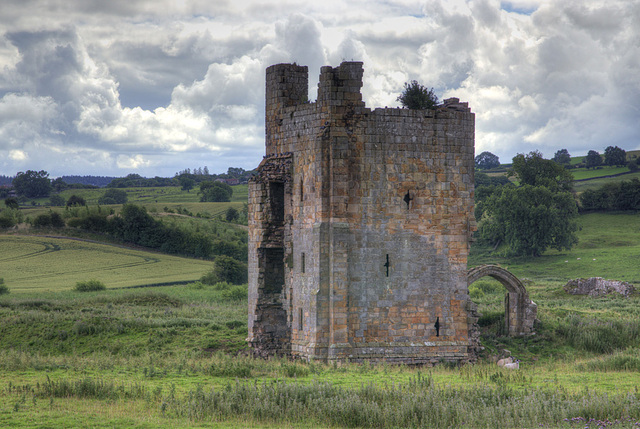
[359, 227]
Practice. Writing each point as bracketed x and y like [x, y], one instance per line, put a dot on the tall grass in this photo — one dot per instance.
[417, 403]
[598, 336]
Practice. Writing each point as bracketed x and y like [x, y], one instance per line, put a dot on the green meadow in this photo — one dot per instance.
[155, 199]
[46, 264]
[173, 353]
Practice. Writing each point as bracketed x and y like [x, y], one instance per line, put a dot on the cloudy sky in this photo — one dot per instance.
[156, 86]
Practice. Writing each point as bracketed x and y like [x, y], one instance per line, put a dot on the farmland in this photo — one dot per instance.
[38, 264]
[173, 353]
[168, 355]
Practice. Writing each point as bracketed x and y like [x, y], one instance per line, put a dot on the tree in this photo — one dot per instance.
[226, 269]
[76, 200]
[113, 196]
[487, 160]
[562, 157]
[32, 184]
[530, 219]
[59, 184]
[215, 192]
[12, 203]
[416, 96]
[613, 155]
[532, 169]
[10, 217]
[187, 183]
[593, 159]
[231, 214]
[51, 219]
[57, 200]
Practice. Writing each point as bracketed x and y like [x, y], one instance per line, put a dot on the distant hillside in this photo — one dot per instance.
[100, 181]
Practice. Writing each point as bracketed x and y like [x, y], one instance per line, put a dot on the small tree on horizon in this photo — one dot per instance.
[562, 157]
[417, 96]
[613, 155]
[593, 159]
[486, 160]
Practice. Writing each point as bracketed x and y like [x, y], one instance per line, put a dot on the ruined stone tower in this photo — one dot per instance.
[359, 225]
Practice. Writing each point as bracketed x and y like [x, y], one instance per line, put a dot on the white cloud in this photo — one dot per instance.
[155, 87]
[18, 155]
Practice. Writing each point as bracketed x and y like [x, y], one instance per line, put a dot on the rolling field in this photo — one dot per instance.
[38, 264]
[175, 355]
[156, 200]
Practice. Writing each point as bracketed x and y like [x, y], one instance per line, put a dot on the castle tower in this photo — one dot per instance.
[359, 225]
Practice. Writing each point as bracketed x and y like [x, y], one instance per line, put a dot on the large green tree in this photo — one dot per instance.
[532, 169]
[32, 184]
[593, 159]
[417, 96]
[215, 192]
[530, 219]
[113, 196]
[613, 155]
[562, 157]
[487, 160]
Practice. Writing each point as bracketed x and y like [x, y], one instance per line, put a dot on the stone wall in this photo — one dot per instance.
[375, 228]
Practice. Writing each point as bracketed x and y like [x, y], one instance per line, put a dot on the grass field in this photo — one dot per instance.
[175, 355]
[172, 356]
[38, 264]
[598, 182]
[156, 200]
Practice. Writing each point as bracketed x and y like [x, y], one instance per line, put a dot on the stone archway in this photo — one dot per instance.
[520, 311]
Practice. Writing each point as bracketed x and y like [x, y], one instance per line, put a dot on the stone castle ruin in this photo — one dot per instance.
[359, 226]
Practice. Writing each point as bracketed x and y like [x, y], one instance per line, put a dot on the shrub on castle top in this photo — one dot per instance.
[417, 96]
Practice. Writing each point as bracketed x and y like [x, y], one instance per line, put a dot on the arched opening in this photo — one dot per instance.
[520, 312]
[488, 294]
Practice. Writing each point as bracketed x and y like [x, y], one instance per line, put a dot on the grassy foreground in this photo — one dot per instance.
[173, 356]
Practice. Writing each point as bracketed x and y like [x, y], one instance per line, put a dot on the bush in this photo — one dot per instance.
[12, 203]
[51, 219]
[226, 269]
[10, 217]
[231, 214]
[57, 201]
[113, 196]
[215, 192]
[90, 286]
[236, 293]
[75, 200]
[3, 287]
[417, 96]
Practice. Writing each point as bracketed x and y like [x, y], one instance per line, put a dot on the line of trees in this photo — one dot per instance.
[612, 197]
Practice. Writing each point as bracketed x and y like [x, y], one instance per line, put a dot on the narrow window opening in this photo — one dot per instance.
[300, 319]
[273, 263]
[407, 199]
[437, 326]
[276, 194]
[302, 263]
[301, 188]
[387, 265]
